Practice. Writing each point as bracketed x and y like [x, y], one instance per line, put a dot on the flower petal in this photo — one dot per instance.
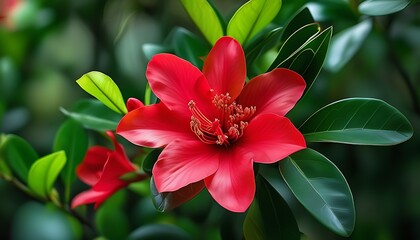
[271, 138]
[184, 162]
[133, 103]
[233, 184]
[116, 166]
[225, 67]
[90, 196]
[90, 170]
[273, 92]
[175, 82]
[154, 126]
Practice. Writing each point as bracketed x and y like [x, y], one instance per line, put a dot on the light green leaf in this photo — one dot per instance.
[251, 18]
[382, 7]
[73, 139]
[321, 188]
[104, 89]
[345, 44]
[18, 154]
[360, 121]
[92, 114]
[205, 17]
[44, 172]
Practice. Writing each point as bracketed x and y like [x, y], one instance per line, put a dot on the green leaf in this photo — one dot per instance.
[44, 172]
[92, 114]
[295, 43]
[18, 155]
[251, 18]
[168, 200]
[302, 18]
[188, 46]
[361, 121]
[112, 222]
[269, 216]
[382, 7]
[104, 89]
[255, 49]
[150, 160]
[72, 138]
[321, 188]
[159, 231]
[150, 49]
[205, 17]
[302, 61]
[345, 44]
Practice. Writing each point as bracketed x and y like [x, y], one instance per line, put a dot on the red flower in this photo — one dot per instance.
[6, 9]
[213, 127]
[102, 168]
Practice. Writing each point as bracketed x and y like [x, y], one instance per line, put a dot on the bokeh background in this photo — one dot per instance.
[46, 45]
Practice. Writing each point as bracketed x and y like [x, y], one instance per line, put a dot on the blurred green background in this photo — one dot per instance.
[46, 45]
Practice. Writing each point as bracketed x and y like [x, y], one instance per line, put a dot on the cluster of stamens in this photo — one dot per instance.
[228, 127]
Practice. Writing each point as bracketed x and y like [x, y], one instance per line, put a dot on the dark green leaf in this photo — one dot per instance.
[104, 89]
[150, 160]
[251, 18]
[150, 49]
[205, 17]
[268, 41]
[295, 43]
[302, 61]
[269, 216]
[357, 121]
[157, 232]
[168, 200]
[345, 44]
[112, 222]
[188, 46]
[302, 18]
[382, 7]
[44, 172]
[18, 155]
[92, 114]
[321, 188]
[72, 138]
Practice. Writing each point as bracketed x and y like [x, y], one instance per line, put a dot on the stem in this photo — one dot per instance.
[147, 95]
[398, 65]
[22, 187]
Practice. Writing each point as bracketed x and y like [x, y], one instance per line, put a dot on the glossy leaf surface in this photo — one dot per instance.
[251, 18]
[382, 7]
[321, 188]
[357, 121]
[168, 200]
[205, 17]
[302, 18]
[73, 139]
[92, 114]
[345, 44]
[18, 154]
[44, 172]
[269, 216]
[104, 89]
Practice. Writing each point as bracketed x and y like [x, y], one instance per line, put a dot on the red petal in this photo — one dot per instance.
[90, 170]
[116, 166]
[184, 162]
[133, 103]
[225, 67]
[271, 138]
[90, 196]
[273, 92]
[233, 184]
[176, 81]
[154, 126]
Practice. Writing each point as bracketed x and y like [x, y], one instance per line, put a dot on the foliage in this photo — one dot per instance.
[342, 49]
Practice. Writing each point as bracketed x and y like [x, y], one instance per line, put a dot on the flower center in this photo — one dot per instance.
[227, 128]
